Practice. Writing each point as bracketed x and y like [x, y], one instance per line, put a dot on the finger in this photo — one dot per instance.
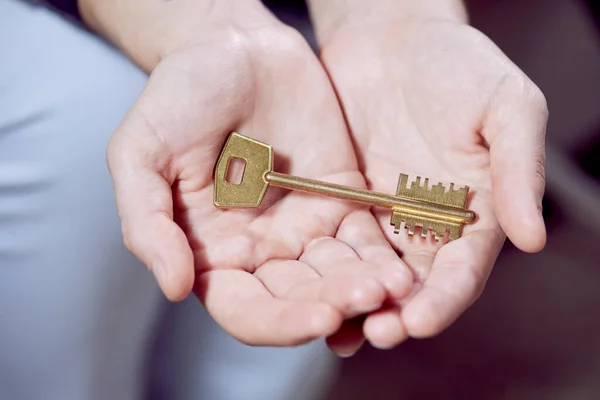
[282, 276]
[349, 339]
[418, 254]
[515, 129]
[362, 233]
[240, 303]
[347, 261]
[136, 159]
[294, 280]
[360, 286]
[458, 275]
[384, 328]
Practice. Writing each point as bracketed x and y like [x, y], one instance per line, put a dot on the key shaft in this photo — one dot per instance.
[417, 208]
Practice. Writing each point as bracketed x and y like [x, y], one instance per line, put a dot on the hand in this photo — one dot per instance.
[290, 271]
[436, 98]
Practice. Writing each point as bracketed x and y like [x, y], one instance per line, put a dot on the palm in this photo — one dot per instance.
[424, 123]
[423, 107]
[289, 271]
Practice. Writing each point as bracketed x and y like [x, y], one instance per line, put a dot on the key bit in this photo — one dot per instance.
[437, 222]
[417, 205]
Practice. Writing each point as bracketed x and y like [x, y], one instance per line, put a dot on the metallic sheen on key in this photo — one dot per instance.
[437, 210]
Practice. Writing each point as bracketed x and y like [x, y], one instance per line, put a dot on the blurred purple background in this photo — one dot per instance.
[535, 332]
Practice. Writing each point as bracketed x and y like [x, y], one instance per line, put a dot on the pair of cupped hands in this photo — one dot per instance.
[418, 95]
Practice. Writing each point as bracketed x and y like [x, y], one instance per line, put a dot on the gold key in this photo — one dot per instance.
[432, 209]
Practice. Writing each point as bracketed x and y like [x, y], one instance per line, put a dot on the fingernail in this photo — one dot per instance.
[380, 346]
[346, 355]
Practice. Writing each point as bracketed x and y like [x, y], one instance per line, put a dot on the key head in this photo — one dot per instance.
[258, 159]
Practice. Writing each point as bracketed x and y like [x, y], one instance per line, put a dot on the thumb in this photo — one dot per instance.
[515, 129]
[138, 161]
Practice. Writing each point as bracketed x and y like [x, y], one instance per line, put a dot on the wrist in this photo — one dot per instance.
[330, 15]
[148, 32]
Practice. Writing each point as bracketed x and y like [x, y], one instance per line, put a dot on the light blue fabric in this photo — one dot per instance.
[80, 317]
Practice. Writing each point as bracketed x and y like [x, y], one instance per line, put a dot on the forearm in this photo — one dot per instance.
[147, 31]
[327, 15]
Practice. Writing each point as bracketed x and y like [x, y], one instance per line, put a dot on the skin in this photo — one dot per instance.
[284, 274]
[302, 267]
[428, 95]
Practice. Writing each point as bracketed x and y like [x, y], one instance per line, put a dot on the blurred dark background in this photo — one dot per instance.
[535, 332]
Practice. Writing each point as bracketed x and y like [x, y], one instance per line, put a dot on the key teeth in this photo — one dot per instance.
[455, 231]
[438, 229]
[396, 222]
[437, 194]
[411, 228]
[402, 183]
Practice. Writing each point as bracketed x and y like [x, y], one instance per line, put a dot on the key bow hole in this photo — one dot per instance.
[235, 170]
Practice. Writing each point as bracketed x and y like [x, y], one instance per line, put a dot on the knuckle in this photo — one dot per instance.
[112, 151]
[437, 327]
[471, 279]
[540, 168]
[288, 42]
[474, 279]
[475, 282]
[427, 323]
[538, 100]
[290, 38]
[519, 85]
[264, 40]
[514, 83]
[129, 239]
